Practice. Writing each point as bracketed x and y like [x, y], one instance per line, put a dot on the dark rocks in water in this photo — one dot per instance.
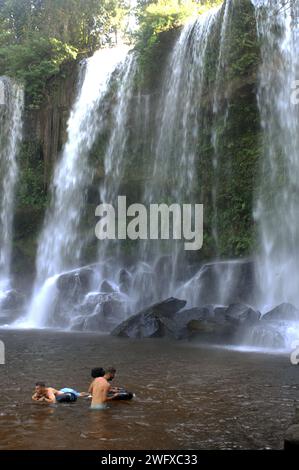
[149, 323]
[106, 287]
[210, 323]
[242, 314]
[11, 306]
[283, 312]
[99, 312]
[71, 290]
[224, 282]
[74, 281]
[198, 321]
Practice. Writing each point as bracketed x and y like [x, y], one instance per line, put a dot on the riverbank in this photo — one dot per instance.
[187, 397]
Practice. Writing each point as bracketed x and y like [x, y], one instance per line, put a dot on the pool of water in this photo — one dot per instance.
[187, 396]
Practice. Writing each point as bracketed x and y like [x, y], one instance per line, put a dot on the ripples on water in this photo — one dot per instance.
[187, 397]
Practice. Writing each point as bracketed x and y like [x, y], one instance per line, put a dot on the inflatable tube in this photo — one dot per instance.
[67, 397]
[122, 395]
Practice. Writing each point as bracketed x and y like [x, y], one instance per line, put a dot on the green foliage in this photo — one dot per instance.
[34, 62]
[31, 191]
[157, 17]
[38, 36]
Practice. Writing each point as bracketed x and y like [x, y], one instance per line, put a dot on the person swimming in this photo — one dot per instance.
[100, 388]
[50, 395]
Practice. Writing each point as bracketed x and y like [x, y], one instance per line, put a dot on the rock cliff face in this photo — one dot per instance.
[44, 134]
[46, 127]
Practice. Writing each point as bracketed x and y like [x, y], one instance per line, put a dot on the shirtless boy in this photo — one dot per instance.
[51, 395]
[45, 394]
[99, 389]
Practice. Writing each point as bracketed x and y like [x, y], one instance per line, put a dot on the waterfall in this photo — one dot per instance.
[220, 111]
[277, 208]
[11, 109]
[176, 128]
[175, 159]
[61, 241]
[114, 158]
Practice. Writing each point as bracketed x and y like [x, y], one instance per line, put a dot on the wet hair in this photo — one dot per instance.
[40, 384]
[110, 370]
[97, 372]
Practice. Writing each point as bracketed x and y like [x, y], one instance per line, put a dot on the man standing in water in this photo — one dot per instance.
[100, 388]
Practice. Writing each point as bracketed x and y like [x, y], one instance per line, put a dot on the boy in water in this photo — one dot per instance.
[50, 395]
[100, 388]
[44, 394]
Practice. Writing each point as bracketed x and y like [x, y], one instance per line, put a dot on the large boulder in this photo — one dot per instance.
[78, 280]
[223, 282]
[283, 312]
[11, 306]
[106, 287]
[72, 288]
[197, 321]
[149, 323]
[211, 323]
[241, 314]
[99, 312]
[12, 300]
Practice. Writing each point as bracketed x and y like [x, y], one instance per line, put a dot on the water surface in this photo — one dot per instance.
[187, 396]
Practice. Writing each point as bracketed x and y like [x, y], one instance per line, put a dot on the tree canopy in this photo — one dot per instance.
[38, 36]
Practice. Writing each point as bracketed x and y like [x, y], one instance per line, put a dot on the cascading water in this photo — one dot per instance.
[61, 241]
[11, 108]
[220, 111]
[174, 151]
[168, 129]
[114, 159]
[277, 209]
[175, 177]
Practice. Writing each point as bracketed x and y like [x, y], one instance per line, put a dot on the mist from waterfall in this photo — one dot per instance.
[11, 113]
[277, 208]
